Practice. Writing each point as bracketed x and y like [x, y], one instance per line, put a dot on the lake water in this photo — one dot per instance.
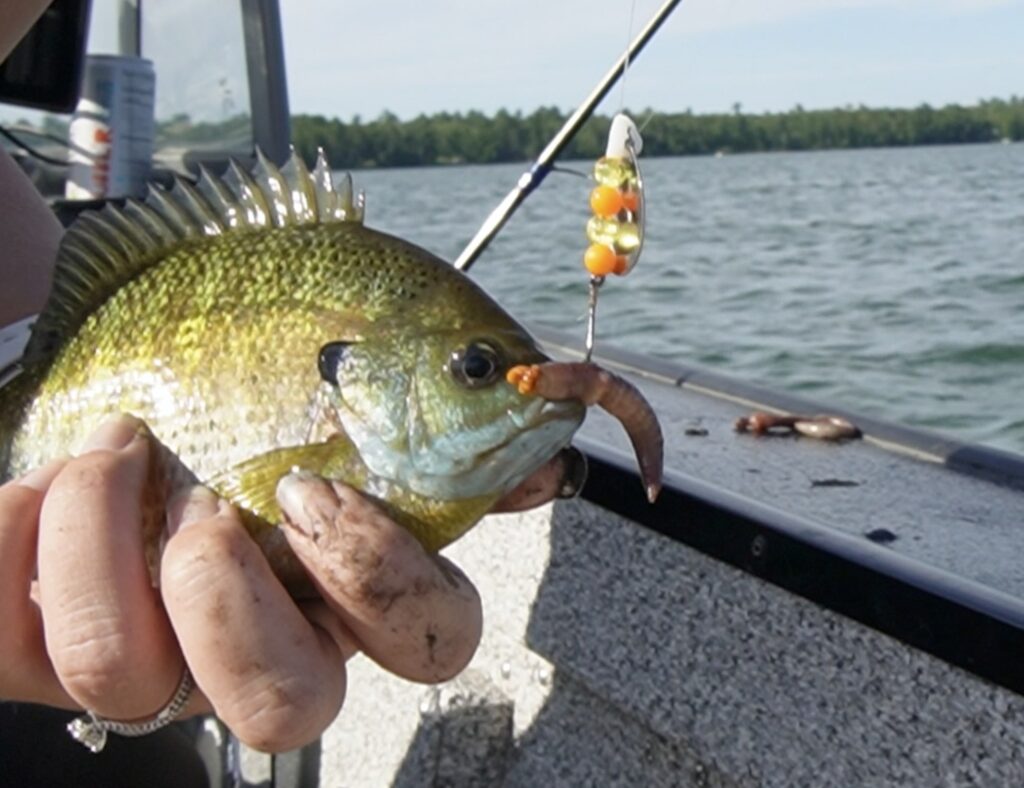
[888, 281]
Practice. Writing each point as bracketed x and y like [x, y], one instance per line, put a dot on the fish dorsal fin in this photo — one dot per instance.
[104, 250]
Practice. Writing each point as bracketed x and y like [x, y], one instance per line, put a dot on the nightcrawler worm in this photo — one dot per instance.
[593, 385]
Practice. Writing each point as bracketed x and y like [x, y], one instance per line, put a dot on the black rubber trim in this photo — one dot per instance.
[268, 88]
[962, 622]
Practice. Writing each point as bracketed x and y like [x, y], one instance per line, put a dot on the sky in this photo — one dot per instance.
[411, 57]
[347, 58]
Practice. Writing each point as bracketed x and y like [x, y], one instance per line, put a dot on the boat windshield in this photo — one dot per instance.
[219, 84]
[202, 87]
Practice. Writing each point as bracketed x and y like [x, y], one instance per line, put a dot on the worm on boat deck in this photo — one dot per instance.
[824, 427]
[593, 385]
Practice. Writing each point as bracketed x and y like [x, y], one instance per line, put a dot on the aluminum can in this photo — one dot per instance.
[112, 129]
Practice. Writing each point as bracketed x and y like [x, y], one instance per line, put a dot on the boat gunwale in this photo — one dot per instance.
[959, 620]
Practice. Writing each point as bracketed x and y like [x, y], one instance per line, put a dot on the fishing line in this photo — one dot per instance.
[533, 177]
[597, 278]
[570, 171]
[626, 60]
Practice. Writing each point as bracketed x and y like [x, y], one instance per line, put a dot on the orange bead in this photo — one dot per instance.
[524, 377]
[601, 260]
[631, 201]
[605, 200]
[621, 265]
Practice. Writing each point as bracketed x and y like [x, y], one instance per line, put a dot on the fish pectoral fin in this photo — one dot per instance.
[252, 484]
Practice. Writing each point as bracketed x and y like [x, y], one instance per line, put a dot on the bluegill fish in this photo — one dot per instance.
[256, 325]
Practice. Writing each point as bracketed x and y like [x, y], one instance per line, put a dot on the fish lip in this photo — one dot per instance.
[568, 410]
[541, 411]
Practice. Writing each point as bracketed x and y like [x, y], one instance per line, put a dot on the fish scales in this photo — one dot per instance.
[228, 329]
[208, 323]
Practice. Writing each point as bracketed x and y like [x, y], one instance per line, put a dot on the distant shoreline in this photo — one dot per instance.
[476, 138]
[447, 138]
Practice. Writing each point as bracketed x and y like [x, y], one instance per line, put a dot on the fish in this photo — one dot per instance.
[256, 325]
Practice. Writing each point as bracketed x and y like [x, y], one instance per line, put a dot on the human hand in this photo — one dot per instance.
[92, 632]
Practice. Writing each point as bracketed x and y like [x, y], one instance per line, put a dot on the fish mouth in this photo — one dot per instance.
[494, 459]
[539, 432]
[491, 458]
[553, 430]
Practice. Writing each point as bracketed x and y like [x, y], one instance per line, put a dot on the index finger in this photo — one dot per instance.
[106, 631]
[413, 613]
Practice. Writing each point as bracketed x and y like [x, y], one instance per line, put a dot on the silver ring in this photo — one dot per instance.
[91, 730]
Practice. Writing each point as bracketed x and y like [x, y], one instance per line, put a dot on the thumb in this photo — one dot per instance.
[414, 613]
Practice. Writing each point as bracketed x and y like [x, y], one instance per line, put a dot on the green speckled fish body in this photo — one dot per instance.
[256, 325]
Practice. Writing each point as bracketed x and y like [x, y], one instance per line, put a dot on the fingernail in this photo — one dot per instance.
[40, 478]
[115, 433]
[191, 506]
[308, 502]
[574, 472]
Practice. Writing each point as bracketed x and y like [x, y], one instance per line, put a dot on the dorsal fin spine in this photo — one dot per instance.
[115, 236]
[303, 193]
[120, 223]
[275, 189]
[86, 264]
[196, 206]
[219, 197]
[256, 209]
[151, 222]
[97, 241]
[121, 227]
[327, 198]
[103, 251]
[180, 223]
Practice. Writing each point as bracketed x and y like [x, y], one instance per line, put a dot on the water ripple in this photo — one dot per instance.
[887, 281]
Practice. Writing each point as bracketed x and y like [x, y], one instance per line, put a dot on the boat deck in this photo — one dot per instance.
[715, 657]
[910, 532]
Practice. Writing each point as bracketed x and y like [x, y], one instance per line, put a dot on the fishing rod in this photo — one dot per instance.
[533, 177]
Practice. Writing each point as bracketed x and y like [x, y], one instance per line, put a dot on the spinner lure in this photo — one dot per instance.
[616, 228]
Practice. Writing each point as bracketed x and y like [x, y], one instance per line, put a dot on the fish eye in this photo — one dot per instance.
[476, 365]
[331, 355]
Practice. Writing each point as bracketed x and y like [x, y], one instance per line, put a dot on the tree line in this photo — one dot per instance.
[473, 137]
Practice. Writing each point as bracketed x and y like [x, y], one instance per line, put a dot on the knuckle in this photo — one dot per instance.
[194, 559]
[89, 474]
[107, 670]
[274, 716]
[92, 665]
[378, 593]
